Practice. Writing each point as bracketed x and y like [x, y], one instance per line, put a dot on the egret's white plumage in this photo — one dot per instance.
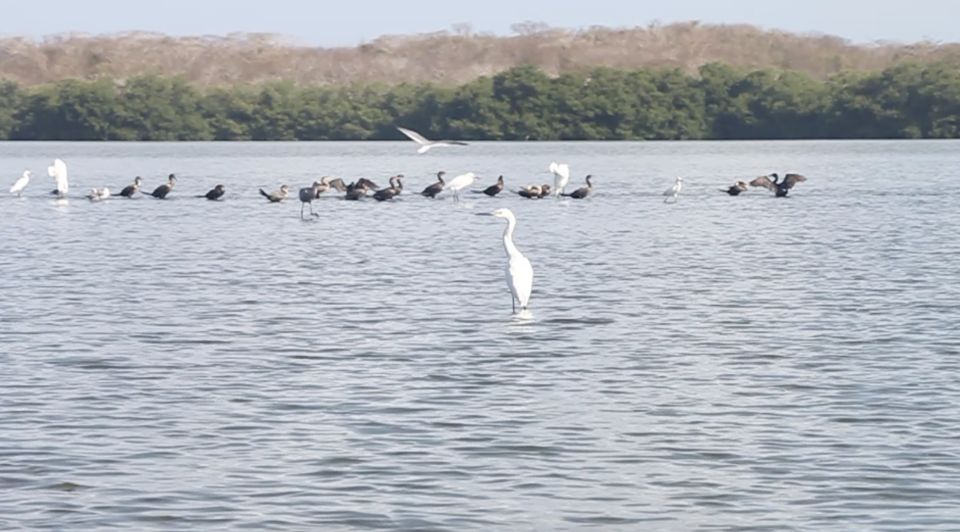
[561, 176]
[460, 182]
[674, 191]
[425, 143]
[519, 271]
[97, 194]
[59, 172]
[21, 183]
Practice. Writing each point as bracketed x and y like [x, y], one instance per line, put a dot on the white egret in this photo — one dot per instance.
[461, 182]
[164, 189]
[561, 176]
[582, 192]
[129, 190]
[674, 191]
[59, 172]
[519, 272]
[21, 183]
[425, 143]
[98, 194]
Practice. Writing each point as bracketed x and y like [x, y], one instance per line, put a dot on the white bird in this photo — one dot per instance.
[59, 172]
[674, 191]
[519, 271]
[21, 183]
[561, 176]
[97, 194]
[425, 143]
[460, 182]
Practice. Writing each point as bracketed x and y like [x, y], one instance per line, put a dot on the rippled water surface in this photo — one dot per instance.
[717, 363]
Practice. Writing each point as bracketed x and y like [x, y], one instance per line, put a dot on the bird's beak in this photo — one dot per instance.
[483, 214]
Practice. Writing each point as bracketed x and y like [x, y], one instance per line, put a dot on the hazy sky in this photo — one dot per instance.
[353, 21]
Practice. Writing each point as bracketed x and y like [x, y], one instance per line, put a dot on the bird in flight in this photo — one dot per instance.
[425, 143]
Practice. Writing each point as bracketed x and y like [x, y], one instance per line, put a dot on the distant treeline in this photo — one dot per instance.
[720, 102]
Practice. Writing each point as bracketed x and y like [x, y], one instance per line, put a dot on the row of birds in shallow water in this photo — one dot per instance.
[364, 187]
[518, 271]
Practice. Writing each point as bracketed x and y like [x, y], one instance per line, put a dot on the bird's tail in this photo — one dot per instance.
[264, 194]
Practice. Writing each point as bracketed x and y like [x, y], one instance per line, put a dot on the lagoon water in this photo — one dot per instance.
[718, 363]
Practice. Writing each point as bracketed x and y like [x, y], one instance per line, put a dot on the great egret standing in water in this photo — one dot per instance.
[21, 183]
[461, 182]
[674, 191]
[59, 172]
[519, 271]
[561, 176]
[425, 143]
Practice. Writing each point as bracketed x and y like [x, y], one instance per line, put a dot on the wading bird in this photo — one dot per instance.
[162, 191]
[582, 192]
[21, 183]
[59, 173]
[778, 187]
[425, 143]
[674, 191]
[561, 176]
[307, 195]
[461, 182]
[129, 190]
[276, 196]
[436, 188]
[519, 272]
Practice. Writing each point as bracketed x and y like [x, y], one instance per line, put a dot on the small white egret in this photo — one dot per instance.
[21, 183]
[674, 191]
[59, 172]
[162, 191]
[425, 143]
[561, 176]
[582, 192]
[461, 182]
[519, 272]
[98, 194]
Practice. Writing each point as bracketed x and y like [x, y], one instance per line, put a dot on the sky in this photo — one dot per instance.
[325, 23]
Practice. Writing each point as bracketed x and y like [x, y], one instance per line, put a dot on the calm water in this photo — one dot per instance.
[717, 363]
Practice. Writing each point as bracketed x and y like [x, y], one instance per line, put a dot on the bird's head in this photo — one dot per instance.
[219, 188]
[679, 180]
[27, 173]
[284, 188]
[138, 180]
[172, 178]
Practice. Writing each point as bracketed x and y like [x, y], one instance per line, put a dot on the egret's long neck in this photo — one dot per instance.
[508, 237]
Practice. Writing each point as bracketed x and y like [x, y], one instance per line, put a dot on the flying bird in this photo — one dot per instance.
[21, 183]
[425, 143]
[519, 272]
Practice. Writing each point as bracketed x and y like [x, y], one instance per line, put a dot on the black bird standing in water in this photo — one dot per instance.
[582, 192]
[736, 189]
[436, 188]
[214, 193]
[162, 191]
[129, 190]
